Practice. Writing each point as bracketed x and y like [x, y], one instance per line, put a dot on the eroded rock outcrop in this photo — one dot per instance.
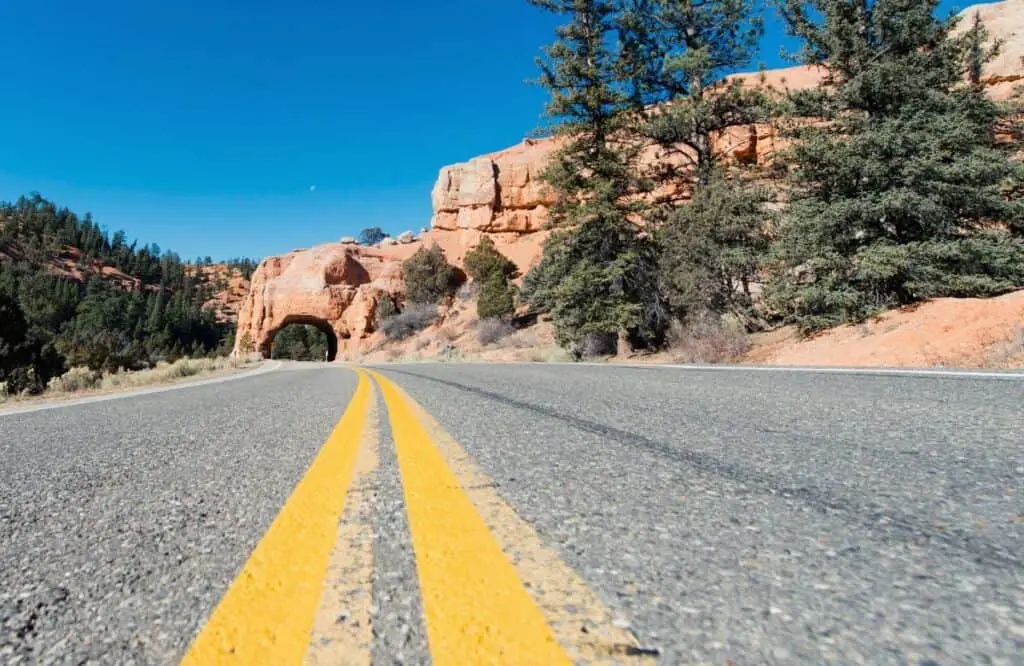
[337, 287]
[331, 287]
[500, 192]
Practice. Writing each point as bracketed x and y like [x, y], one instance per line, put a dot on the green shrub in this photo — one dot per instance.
[484, 260]
[385, 308]
[497, 298]
[428, 276]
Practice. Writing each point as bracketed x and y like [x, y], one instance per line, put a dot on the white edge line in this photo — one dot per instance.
[821, 370]
[883, 372]
[134, 393]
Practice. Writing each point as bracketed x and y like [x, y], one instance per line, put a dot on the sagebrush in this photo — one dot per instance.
[413, 319]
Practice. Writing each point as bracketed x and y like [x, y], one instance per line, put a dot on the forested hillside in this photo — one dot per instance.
[72, 294]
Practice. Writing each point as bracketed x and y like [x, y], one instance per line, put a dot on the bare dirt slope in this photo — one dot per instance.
[964, 332]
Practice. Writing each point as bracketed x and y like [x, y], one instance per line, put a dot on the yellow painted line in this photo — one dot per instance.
[587, 629]
[342, 630]
[267, 613]
[476, 608]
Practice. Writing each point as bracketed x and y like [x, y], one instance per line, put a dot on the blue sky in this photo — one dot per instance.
[203, 126]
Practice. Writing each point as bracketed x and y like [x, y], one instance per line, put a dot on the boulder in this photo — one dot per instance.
[348, 240]
[406, 237]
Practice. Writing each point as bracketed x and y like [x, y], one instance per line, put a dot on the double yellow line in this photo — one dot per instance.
[492, 592]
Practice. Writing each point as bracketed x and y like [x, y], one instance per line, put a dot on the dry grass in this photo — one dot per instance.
[1009, 353]
[490, 331]
[548, 355]
[74, 380]
[77, 380]
[522, 340]
[447, 334]
[708, 339]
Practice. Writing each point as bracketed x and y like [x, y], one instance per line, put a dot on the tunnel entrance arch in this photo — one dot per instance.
[267, 351]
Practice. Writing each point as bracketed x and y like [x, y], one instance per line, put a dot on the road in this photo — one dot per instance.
[447, 514]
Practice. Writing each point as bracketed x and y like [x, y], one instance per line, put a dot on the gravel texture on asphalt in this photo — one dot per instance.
[764, 517]
[399, 632]
[123, 522]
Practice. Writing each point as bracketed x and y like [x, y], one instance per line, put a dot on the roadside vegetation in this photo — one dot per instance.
[898, 183]
[299, 342]
[73, 295]
[85, 380]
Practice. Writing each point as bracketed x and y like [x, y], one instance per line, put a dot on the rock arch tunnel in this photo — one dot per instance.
[322, 325]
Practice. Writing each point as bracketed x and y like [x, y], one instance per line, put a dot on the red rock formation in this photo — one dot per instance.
[337, 286]
[501, 192]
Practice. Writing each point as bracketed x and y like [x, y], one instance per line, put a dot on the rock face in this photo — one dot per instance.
[337, 287]
[501, 192]
[1004, 22]
[332, 287]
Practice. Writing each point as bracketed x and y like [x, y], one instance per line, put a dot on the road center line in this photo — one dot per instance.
[583, 625]
[477, 610]
[342, 629]
[267, 614]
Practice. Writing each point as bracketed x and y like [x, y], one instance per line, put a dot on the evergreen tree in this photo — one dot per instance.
[598, 274]
[372, 236]
[710, 251]
[484, 260]
[300, 342]
[676, 54]
[492, 270]
[428, 276]
[900, 187]
[496, 298]
[52, 322]
[13, 330]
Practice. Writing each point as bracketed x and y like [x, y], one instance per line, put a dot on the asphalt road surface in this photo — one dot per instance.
[452, 514]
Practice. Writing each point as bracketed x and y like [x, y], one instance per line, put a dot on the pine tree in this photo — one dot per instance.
[372, 236]
[496, 298]
[598, 274]
[676, 55]
[711, 249]
[428, 276]
[899, 186]
[485, 259]
[491, 270]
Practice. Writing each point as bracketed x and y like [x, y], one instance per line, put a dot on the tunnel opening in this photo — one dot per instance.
[302, 338]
